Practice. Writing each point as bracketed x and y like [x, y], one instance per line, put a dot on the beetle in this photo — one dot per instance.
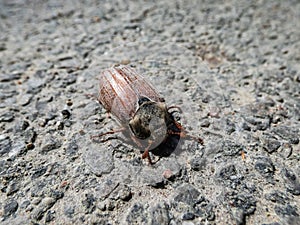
[139, 108]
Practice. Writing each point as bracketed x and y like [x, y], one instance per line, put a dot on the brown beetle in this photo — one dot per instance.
[138, 106]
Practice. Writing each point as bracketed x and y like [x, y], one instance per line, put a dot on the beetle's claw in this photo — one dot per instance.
[147, 155]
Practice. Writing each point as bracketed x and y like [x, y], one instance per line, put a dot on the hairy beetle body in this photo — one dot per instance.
[138, 106]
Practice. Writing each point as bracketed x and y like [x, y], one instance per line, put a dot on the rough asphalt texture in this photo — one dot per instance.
[233, 67]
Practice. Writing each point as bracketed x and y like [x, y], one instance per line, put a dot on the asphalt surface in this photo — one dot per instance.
[233, 68]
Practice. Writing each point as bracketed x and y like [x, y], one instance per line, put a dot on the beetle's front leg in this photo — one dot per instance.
[136, 141]
[109, 132]
[184, 134]
[146, 153]
[175, 107]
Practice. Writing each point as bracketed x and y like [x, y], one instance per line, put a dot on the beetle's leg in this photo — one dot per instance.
[109, 132]
[175, 107]
[136, 141]
[184, 134]
[178, 125]
[199, 140]
[179, 133]
[146, 153]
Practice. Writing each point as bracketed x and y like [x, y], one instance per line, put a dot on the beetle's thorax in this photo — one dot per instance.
[151, 120]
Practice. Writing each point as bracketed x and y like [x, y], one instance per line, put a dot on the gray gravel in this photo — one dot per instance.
[233, 67]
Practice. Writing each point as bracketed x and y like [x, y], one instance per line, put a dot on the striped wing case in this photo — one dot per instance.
[121, 87]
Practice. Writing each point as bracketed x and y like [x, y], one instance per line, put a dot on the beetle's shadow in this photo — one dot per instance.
[167, 147]
[170, 143]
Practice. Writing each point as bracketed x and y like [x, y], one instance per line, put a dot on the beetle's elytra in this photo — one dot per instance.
[138, 107]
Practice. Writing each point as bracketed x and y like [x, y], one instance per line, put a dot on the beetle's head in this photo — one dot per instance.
[150, 120]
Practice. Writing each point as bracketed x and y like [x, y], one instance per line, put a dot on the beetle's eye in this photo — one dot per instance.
[142, 100]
